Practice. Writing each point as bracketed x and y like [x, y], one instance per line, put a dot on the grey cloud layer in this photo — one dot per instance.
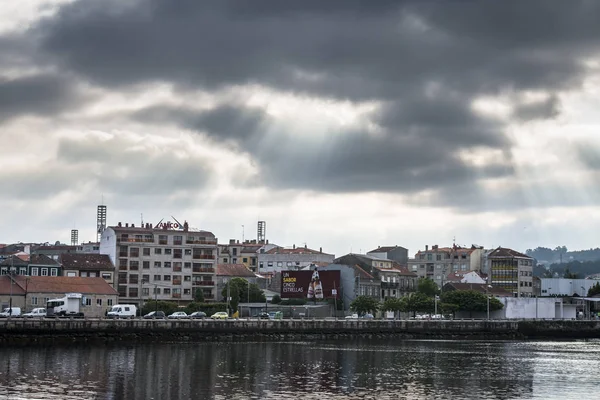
[424, 61]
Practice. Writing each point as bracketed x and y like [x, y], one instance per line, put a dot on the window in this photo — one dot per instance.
[177, 253]
[92, 274]
[187, 265]
[234, 261]
[99, 302]
[134, 252]
[157, 277]
[188, 252]
[34, 301]
[224, 260]
[106, 276]
[280, 264]
[133, 292]
[167, 264]
[270, 264]
[187, 278]
[83, 274]
[167, 291]
[438, 257]
[146, 264]
[187, 291]
[177, 240]
[133, 279]
[54, 272]
[145, 278]
[157, 264]
[44, 271]
[177, 266]
[167, 277]
[88, 301]
[23, 271]
[245, 260]
[235, 251]
[157, 251]
[145, 291]
[156, 290]
[421, 256]
[109, 302]
[429, 257]
[72, 274]
[146, 251]
[134, 265]
[168, 251]
[289, 263]
[162, 239]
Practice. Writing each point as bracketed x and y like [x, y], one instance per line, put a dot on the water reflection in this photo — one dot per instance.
[308, 370]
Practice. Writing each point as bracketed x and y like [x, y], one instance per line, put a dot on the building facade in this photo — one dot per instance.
[278, 259]
[245, 253]
[395, 253]
[31, 265]
[511, 270]
[167, 262]
[88, 265]
[436, 263]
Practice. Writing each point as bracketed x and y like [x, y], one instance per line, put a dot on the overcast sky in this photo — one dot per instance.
[343, 124]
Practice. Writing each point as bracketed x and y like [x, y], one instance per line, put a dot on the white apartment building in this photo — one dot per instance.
[168, 262]
[278, 259]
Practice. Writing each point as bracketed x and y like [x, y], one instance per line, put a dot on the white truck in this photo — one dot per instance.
[68, 306]
[122, 311]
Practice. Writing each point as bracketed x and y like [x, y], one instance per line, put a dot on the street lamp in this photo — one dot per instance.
[436, 298]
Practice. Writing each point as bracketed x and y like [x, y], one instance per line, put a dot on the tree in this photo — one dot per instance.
[364, 304]
[570, 275]
[392, 304]
[594, 290]
[199, 296]
[470, 300]
[427, 286]
[276, 299]
[241, 290]
[417, 302]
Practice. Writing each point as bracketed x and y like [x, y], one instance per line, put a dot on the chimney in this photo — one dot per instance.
[231, 241]
[320, 249]
[305, 245]
[126, 224]
[119, 225]
[133, 225]
[294, 246]
[426, 247]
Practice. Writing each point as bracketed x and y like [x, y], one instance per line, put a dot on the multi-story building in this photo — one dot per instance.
[30, 265]
[245, 253]
[168, 261]
[436, 263]
[512, 271]
[395, 253]
[392, 279]
[295, 258]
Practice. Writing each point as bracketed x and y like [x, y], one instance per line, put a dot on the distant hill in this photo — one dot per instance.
[561, 254]
[572, 269]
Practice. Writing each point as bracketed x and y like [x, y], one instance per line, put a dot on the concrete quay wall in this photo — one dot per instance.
[22, 331]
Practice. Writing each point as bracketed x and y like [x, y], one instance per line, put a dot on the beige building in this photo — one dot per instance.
[512, 271]
[29, 292]
[245, 253]
[436, 263]
[169, 261]
[88, 266]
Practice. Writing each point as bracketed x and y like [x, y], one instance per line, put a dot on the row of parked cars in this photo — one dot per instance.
[16, 312]
[184, 315]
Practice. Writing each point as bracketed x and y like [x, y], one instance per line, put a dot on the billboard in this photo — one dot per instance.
[311, 285]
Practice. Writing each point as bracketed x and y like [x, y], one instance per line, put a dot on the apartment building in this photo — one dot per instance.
[245, 253]
[295, 258]
[436, 263]
[512, 271]
[30, 265]
[395, 253]
[168, 261]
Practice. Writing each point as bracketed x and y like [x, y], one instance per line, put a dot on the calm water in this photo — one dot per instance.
[305, 371]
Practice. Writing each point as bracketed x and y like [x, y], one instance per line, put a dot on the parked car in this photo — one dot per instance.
[220, 315]
[353, 316]
[368, 316]
[122, 311]
[155, 315]
[198, 315]
[178, 315]
[10, 312]
[35, 313]
[263, 315]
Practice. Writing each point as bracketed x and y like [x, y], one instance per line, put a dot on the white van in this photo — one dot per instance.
[122, 311]
[16, 312]
[35, 313]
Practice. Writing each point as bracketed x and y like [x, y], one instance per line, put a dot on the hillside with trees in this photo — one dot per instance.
[561, 254]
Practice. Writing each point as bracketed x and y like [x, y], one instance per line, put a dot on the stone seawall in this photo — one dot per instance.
[21, 331]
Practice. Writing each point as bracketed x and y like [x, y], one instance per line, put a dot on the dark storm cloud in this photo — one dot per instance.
[424, 61]
[35, 95]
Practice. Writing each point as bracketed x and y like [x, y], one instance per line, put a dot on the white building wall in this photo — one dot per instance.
[563, 286]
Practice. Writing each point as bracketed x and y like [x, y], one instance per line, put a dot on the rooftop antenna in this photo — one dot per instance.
[243, 237]
[142, 219]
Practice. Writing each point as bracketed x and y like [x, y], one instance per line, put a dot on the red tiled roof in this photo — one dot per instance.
[236, 270]
[82, 262]
[404, 270]
[297, 250]
[64, 284]
[5, 287]
[363, 273]
[480, 287]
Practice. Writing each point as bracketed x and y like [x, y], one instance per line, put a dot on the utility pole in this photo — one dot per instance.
[228, 294]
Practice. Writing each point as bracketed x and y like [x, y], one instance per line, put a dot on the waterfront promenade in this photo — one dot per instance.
[24, 331]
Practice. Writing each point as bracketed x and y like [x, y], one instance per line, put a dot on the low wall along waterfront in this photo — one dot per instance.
[22, 331]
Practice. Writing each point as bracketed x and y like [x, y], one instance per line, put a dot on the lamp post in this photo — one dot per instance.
[435, 301]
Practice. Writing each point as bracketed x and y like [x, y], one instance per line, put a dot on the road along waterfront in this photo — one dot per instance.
[22, 331]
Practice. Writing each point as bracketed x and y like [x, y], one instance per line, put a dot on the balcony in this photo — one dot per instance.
[204, 283]
[176, 295]
[177, 269]
[134, 240]
[207, 241]
[203, 257]
[176, 281]
[390, 285]
[203, 270]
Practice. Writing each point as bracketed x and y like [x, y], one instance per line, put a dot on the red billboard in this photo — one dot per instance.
[310, 285]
